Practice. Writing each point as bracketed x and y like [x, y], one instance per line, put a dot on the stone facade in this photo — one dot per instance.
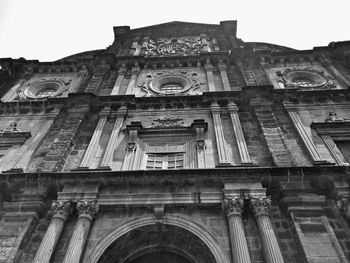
[178, 143]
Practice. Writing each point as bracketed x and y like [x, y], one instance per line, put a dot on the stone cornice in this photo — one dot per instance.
[212, 176]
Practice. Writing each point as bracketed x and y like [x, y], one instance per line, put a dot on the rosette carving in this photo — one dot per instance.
[86, 208]
[260, 205]
[233, 206]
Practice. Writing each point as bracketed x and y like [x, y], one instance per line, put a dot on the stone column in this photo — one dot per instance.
[86, 211]
[134, 73]
[210, 76]
[91, 150]
[237, 129]
[113, 140]
[222, 68]
[52, 235]
[239, 247]
[219, 135]
[261, 207]
[118, 83]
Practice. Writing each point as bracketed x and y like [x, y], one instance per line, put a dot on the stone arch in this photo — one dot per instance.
[218, 252]
[145, 250]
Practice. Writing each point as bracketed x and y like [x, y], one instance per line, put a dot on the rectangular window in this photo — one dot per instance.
[165, 156]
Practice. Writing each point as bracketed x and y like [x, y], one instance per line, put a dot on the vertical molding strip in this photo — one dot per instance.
[219, 135]
[305, 137]
[237, 128]
[95, 139]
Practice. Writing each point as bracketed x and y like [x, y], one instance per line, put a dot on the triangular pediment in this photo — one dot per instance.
[175, 28]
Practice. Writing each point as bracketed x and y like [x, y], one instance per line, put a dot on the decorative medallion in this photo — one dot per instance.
[174, 47]
[43, 89]
[305, 78]
[167, 121]
[171, 83]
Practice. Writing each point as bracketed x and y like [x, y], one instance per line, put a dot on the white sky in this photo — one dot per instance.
[51, 29]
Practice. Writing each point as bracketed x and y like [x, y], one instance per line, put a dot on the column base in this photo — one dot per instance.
[81, 168]
[224, 165]
[104, 168]
[323, 162]
[14, 170]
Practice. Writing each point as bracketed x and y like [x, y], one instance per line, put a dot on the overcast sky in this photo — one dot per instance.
[52, 29]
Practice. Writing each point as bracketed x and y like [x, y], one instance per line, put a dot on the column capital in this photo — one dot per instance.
[232, 107]
[222, 66]
[61, 209]
[122, 111]
[122, 71]
[105, 112]
[215, 108]
[87, 209]
[135, 70]
[208, 67]
[343, 202]
[260, 205]
[233, 205]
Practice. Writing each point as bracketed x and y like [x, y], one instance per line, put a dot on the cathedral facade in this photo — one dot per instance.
[178, 143]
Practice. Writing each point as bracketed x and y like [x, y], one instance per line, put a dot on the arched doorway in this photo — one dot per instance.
[176, 240]
[156, 241]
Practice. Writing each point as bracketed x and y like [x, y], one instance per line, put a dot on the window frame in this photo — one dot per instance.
[331, 131]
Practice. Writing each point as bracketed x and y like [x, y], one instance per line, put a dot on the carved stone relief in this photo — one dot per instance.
[170, 83]
[174, 46]
[167, 121]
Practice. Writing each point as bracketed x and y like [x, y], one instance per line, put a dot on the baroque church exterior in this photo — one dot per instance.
[179, 143]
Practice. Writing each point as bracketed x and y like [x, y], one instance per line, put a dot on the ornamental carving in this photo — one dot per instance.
[167, 121]
[261, 205]
[174, 47]
[13, 127]
[304, 79]
[233, 206]
[61, 208]
[89, 209]
[44, 88]
[333, 117]
[170, 83]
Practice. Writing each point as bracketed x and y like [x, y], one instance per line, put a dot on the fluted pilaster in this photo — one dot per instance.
[219, 135]
[86, 211]
[52, 235]
[210, 77]
[91, 150]
[239, 247]
[134, 73]
[113, 140]
[119, 81]
[261, 207]
[223, 72]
